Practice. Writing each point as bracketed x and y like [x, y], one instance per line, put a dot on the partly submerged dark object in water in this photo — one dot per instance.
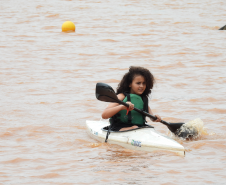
[223, 28]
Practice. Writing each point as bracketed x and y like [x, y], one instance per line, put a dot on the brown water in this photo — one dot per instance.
[48, 78]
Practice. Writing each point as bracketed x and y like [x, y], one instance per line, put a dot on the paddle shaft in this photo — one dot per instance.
[143, 112]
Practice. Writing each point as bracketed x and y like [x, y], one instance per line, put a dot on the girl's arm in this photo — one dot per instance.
[158, 117]
[114, 108]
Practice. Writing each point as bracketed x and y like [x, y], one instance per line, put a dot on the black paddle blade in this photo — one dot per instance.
[173, 127]
[105, 93]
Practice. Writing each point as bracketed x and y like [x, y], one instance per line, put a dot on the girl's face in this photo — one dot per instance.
[138, 85]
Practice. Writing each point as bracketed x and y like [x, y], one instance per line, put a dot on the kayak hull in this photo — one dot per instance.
[145, 139]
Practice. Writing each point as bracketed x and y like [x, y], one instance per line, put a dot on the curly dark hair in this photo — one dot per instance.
[127, 79]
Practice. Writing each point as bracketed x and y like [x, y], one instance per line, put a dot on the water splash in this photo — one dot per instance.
[193, 129]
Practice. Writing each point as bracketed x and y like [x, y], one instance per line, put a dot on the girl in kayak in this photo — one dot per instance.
[134, 89]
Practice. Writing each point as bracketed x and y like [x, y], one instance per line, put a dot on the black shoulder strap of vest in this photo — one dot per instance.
[145, 100]
[129, 114]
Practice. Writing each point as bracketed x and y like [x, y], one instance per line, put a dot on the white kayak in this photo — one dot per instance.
[146, 139]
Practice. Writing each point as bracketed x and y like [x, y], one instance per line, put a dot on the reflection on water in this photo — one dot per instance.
[48, 79]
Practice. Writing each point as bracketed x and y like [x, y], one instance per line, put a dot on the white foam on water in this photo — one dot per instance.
[191, 130]
[197, 124]
[195, 128]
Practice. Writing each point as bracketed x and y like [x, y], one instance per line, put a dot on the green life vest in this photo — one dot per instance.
[136, 117]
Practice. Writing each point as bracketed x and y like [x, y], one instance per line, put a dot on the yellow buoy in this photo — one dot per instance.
[68, 26]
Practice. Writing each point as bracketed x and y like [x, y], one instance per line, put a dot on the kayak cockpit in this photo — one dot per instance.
[145, 126]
